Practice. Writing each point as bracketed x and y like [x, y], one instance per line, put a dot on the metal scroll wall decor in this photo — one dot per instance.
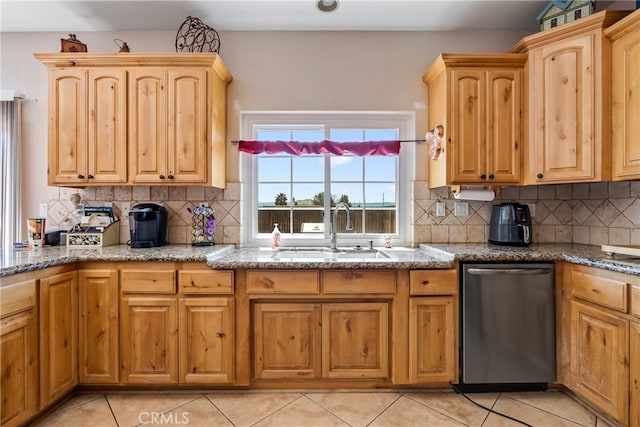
[195, 36]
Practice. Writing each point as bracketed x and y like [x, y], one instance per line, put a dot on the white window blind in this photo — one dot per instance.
[10, 158]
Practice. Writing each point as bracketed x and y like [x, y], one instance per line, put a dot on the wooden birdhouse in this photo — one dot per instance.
[558, 12]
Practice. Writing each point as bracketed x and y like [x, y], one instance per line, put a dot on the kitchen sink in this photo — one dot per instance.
[326, 254]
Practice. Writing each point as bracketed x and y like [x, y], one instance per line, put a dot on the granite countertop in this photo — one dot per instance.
[14, 261]
[427, 256]
[578, 254]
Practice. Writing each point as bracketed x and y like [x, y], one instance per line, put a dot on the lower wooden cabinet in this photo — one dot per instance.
[355, 340]
[634, 373]
[98, 327]
[287, 340]
[176, 328]
[206, 340]
[321, 340]
[432, 339]
[433, 326]
[599, 366]
[149, 339]
[18, 353]
[58, 336]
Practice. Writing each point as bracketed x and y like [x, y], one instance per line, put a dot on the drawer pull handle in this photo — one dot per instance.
[220, 334]
[425, 282]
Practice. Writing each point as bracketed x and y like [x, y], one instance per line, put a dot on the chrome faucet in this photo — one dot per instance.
[349, 227]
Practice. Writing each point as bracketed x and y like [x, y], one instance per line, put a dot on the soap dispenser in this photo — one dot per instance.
[276, 237]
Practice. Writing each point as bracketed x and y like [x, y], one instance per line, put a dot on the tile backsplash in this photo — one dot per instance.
[594, 214]
[226, 204]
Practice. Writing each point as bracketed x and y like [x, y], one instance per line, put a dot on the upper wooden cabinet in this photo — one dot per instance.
[136, 119]
[478, 101]
[625, 47]
[167, 125]
[87, 126]
[568, 101]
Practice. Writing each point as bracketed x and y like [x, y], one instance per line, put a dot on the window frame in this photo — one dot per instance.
[404, 121]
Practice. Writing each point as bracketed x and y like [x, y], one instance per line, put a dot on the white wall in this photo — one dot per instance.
[340, 70]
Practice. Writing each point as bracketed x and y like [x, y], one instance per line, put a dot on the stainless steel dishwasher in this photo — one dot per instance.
[507, 336]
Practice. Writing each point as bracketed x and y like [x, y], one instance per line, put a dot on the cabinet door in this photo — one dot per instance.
[432, 340]
[67, 149]
[187, 126]
[148, 125]
[355, 340]
[565, 140]
[58, 336]
[626, 107]
[600, 343]
[206, 340]
[18, 364]
[504, 130]
[634, 355]
[467, 133]
[98, 327]
[149, 340]
[286, 340]
[107, 139]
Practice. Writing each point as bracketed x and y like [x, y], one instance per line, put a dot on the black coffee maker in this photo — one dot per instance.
[510, 225]
[148, 225]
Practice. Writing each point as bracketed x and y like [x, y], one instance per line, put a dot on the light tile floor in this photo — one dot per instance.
[386, 408]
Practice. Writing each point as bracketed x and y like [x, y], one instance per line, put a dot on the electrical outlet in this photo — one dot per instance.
[125, 207]
[462, 209]
[44, 210]
[440, 209]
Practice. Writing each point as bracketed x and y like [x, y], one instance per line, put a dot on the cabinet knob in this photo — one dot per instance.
[220, 334]
[483, 176]
[80, 176]
[539, 176]
[90, 176]
[425, 282]
[170, 176]
[161, 176]
[491, 176]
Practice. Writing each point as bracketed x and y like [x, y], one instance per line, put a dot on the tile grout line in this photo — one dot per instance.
[219, 410]
[435, 410]
[282, 407]
[549, 412]
[326, 409]
[113, 414]
[386, 409]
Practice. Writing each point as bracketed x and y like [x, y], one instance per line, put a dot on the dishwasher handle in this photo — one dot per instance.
[510, 271]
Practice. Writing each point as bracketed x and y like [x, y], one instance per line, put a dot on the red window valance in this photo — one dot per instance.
[367, 148]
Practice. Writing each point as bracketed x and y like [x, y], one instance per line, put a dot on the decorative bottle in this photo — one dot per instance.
[276, 237]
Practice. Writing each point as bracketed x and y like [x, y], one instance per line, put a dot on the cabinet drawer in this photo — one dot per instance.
[360, 282]
[290, 282]
[205, 282]
[599, 286]
[17, 297]
[433, 282]
[145, 281]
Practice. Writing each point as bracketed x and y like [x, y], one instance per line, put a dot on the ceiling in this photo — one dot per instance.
[366, 15]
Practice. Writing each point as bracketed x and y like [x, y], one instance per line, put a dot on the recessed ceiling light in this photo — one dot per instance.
[327, 5]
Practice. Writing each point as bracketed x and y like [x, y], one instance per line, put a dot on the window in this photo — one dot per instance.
[299, 193]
